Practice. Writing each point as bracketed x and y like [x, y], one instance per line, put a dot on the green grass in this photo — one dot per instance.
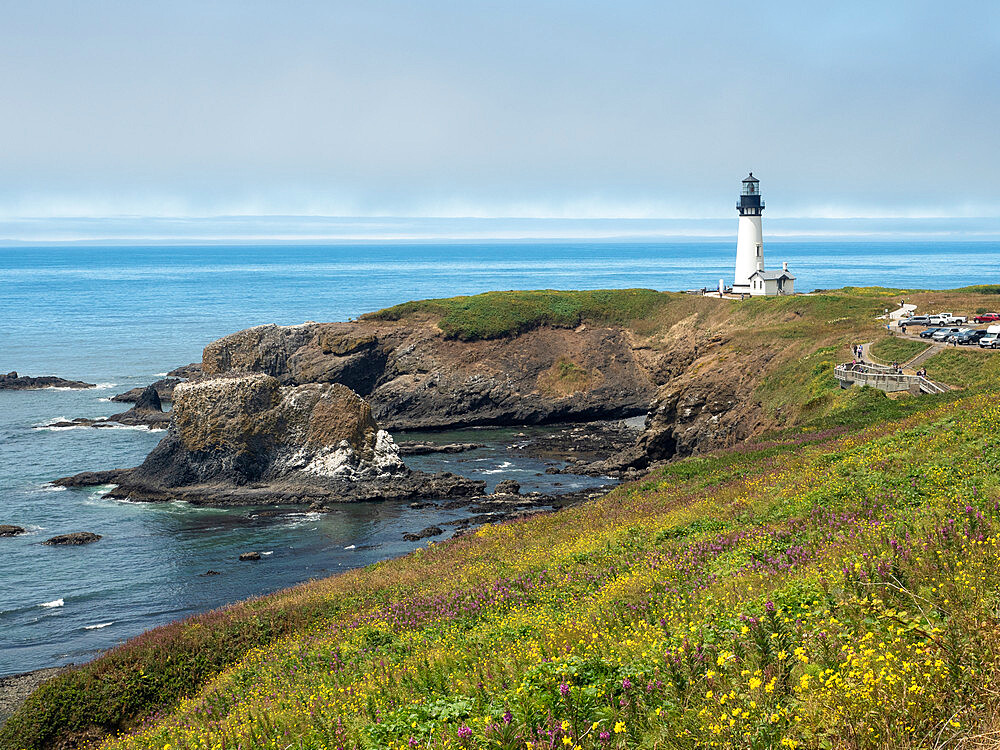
[498, 314]
[965, 367]
[839, 591]
[895, 349]
[245, 675]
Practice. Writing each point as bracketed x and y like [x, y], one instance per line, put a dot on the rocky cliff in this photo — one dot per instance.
[247, 438]
[417, 378]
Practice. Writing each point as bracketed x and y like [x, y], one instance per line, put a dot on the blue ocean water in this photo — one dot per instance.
[122, 316]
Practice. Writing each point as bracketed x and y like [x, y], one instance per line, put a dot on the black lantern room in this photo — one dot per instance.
[750, 203]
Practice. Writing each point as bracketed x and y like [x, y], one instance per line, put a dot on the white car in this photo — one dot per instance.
[989, 341]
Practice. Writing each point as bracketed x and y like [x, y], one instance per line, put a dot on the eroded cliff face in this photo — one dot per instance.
[694, 376]
[250, 428]
[416, 378]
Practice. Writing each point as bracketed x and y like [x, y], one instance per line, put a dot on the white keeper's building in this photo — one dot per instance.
[751, 278]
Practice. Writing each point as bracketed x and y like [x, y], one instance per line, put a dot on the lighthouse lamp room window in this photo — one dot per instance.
[751, 278]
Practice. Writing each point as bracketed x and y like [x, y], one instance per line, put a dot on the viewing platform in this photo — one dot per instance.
[885, 378]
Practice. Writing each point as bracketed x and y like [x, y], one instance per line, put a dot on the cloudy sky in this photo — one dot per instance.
[650, 110]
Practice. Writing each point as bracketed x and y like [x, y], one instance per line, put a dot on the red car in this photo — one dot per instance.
[987, 318]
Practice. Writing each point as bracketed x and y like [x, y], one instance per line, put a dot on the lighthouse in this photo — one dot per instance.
[750, 237]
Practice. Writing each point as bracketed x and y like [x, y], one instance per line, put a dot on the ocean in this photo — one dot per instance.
[122, 316]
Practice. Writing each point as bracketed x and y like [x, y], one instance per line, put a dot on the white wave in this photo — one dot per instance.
[53, 603]
[505, 466]
[105, 398]
[50, 488]
[265, 554]
[351, 546]
[104, 386]
[62, 388]
[160, 374]
[108, 426]
[98, 626]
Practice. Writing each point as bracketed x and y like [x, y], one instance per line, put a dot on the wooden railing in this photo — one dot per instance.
[887, 379]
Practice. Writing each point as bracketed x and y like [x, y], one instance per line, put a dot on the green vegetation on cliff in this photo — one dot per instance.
[824, 586]
[496, 314]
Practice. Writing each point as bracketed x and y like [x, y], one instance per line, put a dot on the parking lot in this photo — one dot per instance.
[979, 331]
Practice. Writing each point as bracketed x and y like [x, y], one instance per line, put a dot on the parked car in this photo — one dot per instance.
[942, 334]
[928, 332]
[989, 341]
[968, 336]
[956, 320]
[987, 318]
[939, 319]
[917, 320]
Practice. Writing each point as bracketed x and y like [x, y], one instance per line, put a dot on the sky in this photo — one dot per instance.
[539, 109]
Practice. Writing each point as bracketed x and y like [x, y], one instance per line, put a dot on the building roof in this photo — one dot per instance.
[772, 275]
[751, 178]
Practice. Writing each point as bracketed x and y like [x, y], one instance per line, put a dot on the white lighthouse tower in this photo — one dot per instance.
[750, 238]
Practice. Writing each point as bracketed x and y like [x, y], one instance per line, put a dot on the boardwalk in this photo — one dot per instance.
[886, 378]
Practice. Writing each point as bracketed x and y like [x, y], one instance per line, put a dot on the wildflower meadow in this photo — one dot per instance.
[820, 592]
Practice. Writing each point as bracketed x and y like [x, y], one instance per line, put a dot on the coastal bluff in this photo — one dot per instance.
[417, 378]
[247, 439]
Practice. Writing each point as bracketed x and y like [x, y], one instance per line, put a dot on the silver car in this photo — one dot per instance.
[943, 333]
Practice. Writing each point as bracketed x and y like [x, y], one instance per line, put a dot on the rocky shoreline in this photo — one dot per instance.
[12, 381]
[15, 688]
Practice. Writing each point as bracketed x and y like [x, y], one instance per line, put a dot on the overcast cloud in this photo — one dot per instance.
[533, 109]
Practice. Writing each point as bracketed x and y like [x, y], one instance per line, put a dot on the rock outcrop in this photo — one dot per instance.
[7, 529]
[74, 539]
[164, 391]
[246, 439]
[417, 378]
[14, 382]
[164, 387]
[147, 412]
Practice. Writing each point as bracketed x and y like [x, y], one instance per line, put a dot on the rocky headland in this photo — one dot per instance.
[417, 378]
[12, 381]
[255, 423]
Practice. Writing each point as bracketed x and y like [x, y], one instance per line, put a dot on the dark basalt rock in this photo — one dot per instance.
[507, 487]
[248, 440]
[188, 372]
[423, 534]
[164, 389]
[245, 556]
[164, 386]
[423, 449]
[415, 378]
[7, 529]
[14, 382]
[76, 538]
[147, 412]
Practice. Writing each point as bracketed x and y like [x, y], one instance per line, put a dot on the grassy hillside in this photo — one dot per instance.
[823, 587]
[819, 591]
